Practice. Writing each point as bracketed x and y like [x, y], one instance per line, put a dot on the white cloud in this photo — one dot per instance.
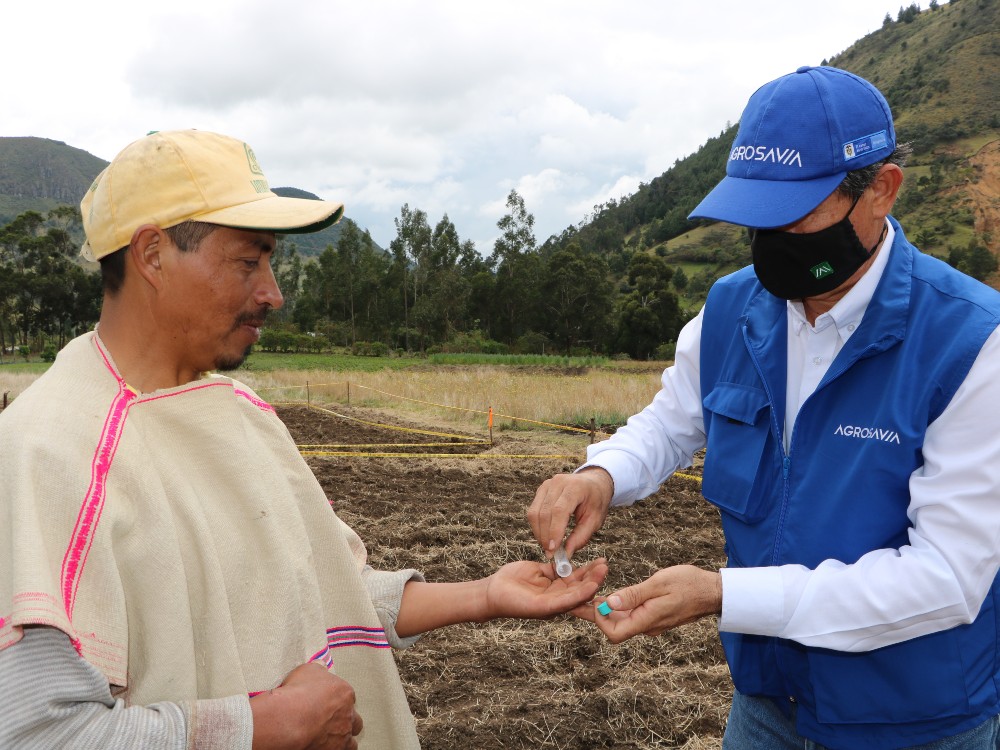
[442, 104]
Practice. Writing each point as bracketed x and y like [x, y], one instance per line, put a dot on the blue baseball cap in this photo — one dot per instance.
[799, 136]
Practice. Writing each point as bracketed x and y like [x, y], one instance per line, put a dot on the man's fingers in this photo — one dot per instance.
[582, 532]
[670, 597]
[540, 516]
[595, 570]
[550, 512]
[626, 613]
[620, 625]
[584, 495]
[584, 611]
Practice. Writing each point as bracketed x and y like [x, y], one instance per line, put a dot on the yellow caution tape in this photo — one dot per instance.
[695, 477]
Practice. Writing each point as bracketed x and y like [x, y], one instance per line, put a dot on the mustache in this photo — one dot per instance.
[254, 318]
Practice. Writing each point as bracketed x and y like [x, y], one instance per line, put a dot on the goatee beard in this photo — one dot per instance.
[227, 365]
[256, 319]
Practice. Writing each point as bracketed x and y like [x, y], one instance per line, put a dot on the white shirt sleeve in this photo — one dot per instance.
[54, 699]
[937, 581]
[664, 436]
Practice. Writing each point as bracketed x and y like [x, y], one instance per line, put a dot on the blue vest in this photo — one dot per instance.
[842, 491]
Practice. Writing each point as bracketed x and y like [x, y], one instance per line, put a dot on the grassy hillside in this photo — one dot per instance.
[940, 71]
[38, 174]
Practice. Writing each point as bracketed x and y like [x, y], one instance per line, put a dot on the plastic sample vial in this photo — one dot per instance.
[564, 567]
[604, 608]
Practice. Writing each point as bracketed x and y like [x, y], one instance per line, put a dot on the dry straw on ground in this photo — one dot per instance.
[561, 396]
[513, 684]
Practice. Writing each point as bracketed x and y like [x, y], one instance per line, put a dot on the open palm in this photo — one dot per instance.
[533, 590]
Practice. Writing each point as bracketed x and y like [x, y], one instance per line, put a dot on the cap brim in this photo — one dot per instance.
[275, 213]
[272, 213]
[764, 204]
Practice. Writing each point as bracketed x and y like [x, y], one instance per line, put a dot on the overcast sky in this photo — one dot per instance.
[443, 105]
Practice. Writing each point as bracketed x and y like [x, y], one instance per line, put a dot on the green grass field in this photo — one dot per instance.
[269, 361]
[34, 368]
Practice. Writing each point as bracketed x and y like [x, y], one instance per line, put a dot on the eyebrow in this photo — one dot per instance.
[263, 245]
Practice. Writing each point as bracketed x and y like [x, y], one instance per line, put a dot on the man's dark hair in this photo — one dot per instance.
[187, 236]
[856, 182]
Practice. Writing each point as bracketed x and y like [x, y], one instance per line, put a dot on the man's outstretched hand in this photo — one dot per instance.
[533, 590]
[668, 598]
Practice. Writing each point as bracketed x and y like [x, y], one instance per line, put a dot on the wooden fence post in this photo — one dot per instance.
[593, 431]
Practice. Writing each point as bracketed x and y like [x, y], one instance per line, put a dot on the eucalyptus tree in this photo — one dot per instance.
[411, 255]
[649, 314]
[518, 269]
[442, 311]
[577, 297]
[45, 295]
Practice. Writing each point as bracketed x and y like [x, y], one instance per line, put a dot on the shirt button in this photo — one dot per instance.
[817, 360]
[791, 699]
[850, 327]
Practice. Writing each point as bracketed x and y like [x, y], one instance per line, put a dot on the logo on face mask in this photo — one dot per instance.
[821, 269]
[796, 265]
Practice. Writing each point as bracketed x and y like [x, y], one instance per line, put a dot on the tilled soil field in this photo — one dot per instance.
[524, 684]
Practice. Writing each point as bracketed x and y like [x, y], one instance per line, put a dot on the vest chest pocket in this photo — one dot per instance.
[737, 426]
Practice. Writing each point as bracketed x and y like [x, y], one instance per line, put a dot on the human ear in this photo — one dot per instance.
[885, 189]
[145, 250]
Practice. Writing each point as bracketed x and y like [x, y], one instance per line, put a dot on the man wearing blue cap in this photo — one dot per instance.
[847, 391]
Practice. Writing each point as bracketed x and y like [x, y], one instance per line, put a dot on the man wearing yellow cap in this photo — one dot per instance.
[171, 573]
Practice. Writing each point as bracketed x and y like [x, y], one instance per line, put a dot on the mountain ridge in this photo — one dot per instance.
[41, 174]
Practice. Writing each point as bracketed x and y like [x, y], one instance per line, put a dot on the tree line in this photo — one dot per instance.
[46, 297]
[587, 291]
[430, 292]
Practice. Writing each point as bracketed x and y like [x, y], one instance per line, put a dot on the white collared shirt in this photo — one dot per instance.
[936, 582]
[812, 348]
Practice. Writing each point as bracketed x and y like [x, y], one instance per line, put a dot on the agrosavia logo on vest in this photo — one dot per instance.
[867, 433]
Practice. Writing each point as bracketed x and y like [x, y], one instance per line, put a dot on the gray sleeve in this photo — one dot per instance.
[386, 591]
[53, 698]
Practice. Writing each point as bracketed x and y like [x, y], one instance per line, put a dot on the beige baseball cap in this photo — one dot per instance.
[170, 177]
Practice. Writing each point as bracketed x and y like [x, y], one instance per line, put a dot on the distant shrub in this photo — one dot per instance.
[473, 342]
[533, 343]
[370, 349]
[665, 351]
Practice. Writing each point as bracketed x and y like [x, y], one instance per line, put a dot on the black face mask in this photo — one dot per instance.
[793, 266]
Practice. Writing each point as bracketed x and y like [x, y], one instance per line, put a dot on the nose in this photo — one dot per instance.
[268, 292]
